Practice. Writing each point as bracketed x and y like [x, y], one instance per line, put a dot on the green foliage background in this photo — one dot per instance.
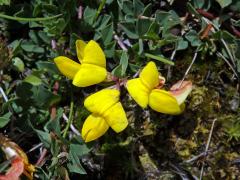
[131, 32]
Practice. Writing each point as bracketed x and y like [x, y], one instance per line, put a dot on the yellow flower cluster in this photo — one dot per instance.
[104, 105]
[145, 92]
[106, 111]
[91, 69]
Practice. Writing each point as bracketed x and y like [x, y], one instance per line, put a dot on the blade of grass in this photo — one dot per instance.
[159, 58]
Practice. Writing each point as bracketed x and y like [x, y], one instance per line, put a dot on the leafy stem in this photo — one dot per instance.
[29, 19]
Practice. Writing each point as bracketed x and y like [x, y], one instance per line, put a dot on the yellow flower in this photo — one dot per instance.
[145, 92]
[91, 69]
[106, 111]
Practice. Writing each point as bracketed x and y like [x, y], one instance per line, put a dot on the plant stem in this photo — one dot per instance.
[70, 119]
[28, 19]
[120, 43]
[74, 130]
[103, 2]
[207, 146]
[169, 73]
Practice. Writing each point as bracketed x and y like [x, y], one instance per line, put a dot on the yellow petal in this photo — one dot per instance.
[162, 101]
[80, 46]
[116, 117]
[93, 127]
[93, 54]
[149, 75]
[102, 100]
[181, 92]
[138, 92]
[67, 66]
[89, 75]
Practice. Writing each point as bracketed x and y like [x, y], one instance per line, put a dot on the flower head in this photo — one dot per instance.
[144, 90]
[91, 69]
[107, 112]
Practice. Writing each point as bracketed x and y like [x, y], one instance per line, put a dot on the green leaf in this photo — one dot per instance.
[167, 20]
[134, 68]
[34, 80]
[138, 7]
[33, 36]
[4, 120]
[89, 15]
[74, 154]
[6, 105]
[143, 26]
[43, 97]
[193, 38]
[54, 125]
[181, 44]
[109, 49]
[129, 29]
[107, 34]
[49, 67]
[153, 31]
[199, 4]
[54, 27]
[79, 149]
[18, 64]
[147, 10]
[44, 37]
[102, 22]
[127, 8]
[224, 3]
[5, 2]
[15, 46]
[37, 95]
[29, 46]
[44, 137]
[159, 58]
[120, 70]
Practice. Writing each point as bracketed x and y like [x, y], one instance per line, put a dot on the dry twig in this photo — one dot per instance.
[207, 146]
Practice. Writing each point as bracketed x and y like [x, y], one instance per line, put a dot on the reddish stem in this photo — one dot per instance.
[41, 158]
[206, 31]
[53, 110]
[235, 31]
[206, 14]
[118, 85]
